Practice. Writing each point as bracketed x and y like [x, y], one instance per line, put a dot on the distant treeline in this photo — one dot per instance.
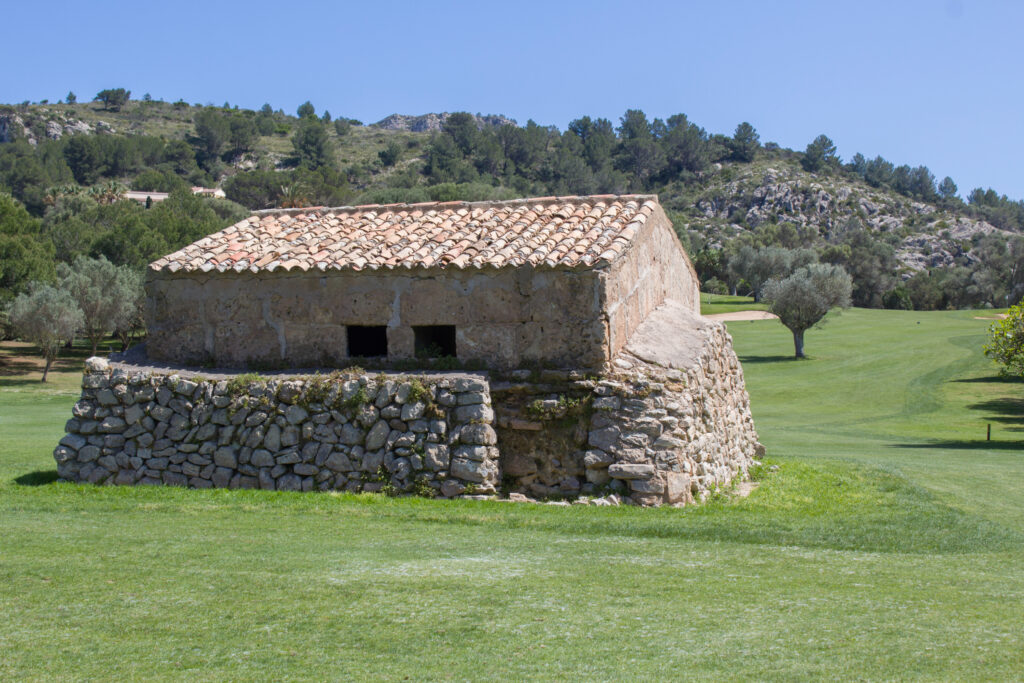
[70, 189]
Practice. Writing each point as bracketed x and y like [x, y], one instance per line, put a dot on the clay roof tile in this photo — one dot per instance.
[550, 231]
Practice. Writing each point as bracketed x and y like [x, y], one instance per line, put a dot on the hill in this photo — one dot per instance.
[908, 240]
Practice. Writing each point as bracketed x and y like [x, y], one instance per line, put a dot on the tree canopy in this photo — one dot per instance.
[48, 317]
[802, 299]
[1006, 342]
[113, 98]
[106, 295]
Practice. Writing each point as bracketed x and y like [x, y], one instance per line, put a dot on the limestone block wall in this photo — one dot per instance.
[504, 318]
[653, 269]
[429, 435]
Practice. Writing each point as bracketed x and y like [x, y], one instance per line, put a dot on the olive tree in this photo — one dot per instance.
[802, 299]
[758, 266]
[47, 317]
[105, 293]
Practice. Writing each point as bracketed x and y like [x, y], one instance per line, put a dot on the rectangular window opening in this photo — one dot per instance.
[367, 341]
[434, 341]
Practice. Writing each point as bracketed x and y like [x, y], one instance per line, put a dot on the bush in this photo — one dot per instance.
[1006, 342]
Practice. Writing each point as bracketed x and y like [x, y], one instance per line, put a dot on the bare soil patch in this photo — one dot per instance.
[742, 315]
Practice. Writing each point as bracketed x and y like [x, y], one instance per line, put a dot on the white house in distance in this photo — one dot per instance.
[156, 197]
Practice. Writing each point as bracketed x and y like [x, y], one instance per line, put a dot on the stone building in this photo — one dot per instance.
[602, 381]
[553, 282]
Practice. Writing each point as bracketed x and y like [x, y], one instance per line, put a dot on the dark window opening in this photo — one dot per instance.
[366, 341]
[434, 341]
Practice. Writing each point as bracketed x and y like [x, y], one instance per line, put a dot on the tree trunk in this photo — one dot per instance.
[798, 343]
[95, 343]
[46, 368]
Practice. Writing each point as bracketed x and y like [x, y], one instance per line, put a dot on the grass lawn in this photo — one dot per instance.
[888, 545]
[725, 303]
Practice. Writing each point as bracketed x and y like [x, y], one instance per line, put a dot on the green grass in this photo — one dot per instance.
[724, 303]
[887, 545]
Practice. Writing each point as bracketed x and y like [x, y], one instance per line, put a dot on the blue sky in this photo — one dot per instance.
[919, 82]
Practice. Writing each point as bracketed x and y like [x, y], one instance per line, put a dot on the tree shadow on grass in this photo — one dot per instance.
[770, 359]
[991, 379]
[17, 366]
[37, 478]
[1007, 412]
[967, 445]
[6, 382]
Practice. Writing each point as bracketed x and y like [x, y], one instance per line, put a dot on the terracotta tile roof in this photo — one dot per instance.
[574, 232]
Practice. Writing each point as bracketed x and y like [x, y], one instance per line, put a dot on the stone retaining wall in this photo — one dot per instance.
[427, 435]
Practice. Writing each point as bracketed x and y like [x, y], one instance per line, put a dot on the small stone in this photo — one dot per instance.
[652, 485]
[112, 424]
[296, 414]
[413, 411]
[73, 441]
[469, 470]
[288, 458]
[631, 471]
[351, 435]
[88, 453]
[289, 482]
[678, 488]
[261, 457]
[272, 441]
[377, 436]
[106, 397]
[474, 413]
[451, 488]
[595, 460]
[471, 398]
[478, 433]
[477, 453]
[372, 461]
[226, 457]
[436, 456]
[133, 413]
[668, 443]
[606, 439]
[174, 479]
[338, 462]
[607, 403]
[465, 384]
[96, 364]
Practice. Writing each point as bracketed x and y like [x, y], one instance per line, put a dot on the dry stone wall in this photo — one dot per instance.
[656, 428]
[430, 435]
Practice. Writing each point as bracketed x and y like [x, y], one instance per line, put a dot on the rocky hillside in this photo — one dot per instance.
[428, 123]
[33, 127]
[740, 197]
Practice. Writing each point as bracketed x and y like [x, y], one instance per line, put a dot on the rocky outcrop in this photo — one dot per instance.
[427, 123]
[928, 236]
[31, 128]
[12, 127]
